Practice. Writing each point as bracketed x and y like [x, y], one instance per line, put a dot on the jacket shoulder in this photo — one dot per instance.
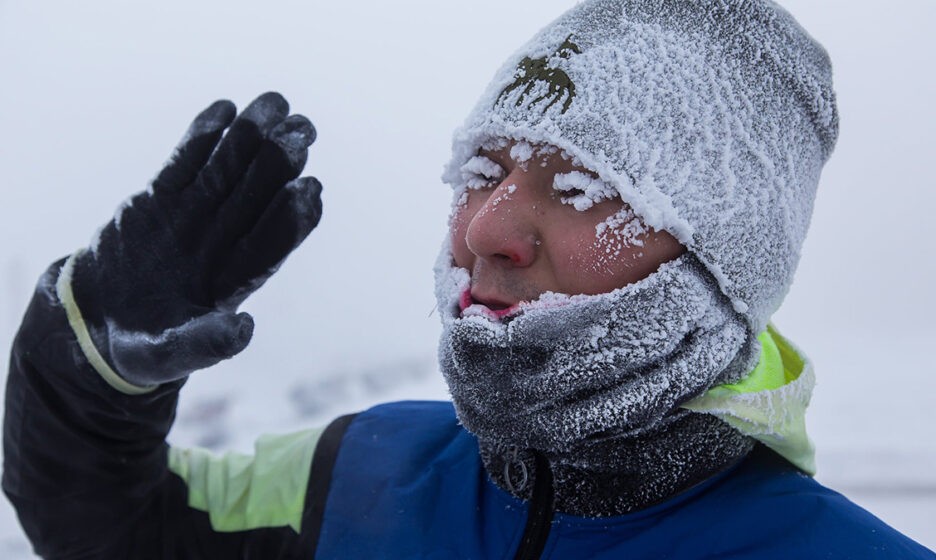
[407, 436]
[407, 483]
[776, 507]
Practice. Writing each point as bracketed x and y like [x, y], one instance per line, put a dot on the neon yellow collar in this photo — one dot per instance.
[769, 404]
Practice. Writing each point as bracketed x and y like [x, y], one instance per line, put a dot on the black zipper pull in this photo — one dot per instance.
[540, 515]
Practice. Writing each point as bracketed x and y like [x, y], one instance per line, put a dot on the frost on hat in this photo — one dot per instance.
[712, 118]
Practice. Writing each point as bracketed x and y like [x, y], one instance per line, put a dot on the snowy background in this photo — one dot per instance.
[95, 94]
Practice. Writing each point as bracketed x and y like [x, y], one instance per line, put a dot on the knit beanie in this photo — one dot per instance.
[712, 118]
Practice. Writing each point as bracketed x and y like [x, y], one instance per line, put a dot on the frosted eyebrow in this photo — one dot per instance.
[480, 171]
[582, 190]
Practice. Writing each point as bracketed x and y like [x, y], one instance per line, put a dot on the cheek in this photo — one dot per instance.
[619, 242]
[629, 253]
[606, 262]
[606, 253]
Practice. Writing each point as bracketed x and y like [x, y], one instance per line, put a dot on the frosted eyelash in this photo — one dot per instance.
[479, 172]
[582, 190]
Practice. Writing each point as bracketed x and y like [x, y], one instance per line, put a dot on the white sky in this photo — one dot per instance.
[93, 96]
[96, 94]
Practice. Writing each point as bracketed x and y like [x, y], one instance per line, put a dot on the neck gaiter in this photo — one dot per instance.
[582, 379]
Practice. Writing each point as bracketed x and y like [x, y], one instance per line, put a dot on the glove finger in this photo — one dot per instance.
[195, 147]
[146, 359]
[290, 217]
[232, 157]
[280, 159]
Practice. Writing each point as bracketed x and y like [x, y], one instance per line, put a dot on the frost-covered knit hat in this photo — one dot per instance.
[713, 118]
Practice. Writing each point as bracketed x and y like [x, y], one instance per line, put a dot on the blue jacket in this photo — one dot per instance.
[91, 476]
[408, 483]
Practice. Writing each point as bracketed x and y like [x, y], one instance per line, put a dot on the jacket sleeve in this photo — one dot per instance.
[88, 469]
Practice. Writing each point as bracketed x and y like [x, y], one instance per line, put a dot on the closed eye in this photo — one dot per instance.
[581, 190]
[571, 193]
[481, 172]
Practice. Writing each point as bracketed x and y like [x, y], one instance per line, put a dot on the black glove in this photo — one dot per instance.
[159, 288]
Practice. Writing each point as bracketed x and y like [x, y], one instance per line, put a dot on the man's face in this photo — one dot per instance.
[535, 222]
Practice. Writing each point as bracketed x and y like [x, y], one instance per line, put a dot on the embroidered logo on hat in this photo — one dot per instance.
[532, 71]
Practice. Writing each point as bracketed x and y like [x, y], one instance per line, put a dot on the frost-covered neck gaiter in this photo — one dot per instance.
[580, 379]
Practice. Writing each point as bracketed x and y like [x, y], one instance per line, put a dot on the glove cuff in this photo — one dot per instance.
[63, 288]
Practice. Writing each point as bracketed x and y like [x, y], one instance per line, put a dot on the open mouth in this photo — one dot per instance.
[492, 310]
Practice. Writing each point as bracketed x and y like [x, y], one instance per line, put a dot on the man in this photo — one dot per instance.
[631, 193]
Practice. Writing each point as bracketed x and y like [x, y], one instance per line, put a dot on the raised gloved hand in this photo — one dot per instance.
[158, 290]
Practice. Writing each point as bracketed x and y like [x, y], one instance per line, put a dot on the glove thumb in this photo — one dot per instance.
[150, 359]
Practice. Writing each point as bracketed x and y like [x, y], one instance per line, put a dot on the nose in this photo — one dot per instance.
[503, 230]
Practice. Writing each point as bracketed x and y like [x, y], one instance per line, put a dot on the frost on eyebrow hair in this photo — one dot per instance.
[494, 144]
[479, 171]
[566, 156]
[522, 153]
[593, 189]
[543, 152]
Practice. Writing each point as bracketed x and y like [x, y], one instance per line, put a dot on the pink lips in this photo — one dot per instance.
[465, 301]
[470, 307]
